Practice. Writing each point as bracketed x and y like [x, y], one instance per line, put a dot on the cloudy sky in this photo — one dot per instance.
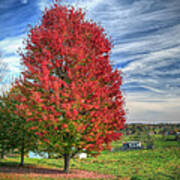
[146, 38]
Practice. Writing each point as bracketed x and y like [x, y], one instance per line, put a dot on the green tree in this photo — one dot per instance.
[14, 132]
[6, 126]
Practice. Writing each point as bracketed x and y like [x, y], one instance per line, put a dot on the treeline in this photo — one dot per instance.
[163, 129]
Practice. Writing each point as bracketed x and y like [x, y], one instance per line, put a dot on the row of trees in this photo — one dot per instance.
[68, 98]
[163, 129]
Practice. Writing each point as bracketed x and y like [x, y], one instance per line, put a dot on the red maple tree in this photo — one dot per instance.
[71, 94]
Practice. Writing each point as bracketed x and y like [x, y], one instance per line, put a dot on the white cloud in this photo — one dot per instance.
[153, 89]
[149, 108]
[156, 59]
[11, 45]
[14, 70]
[13, 63]
[8, 48]
[86, 4]
[44, 4]
[147, 74]
[151, 42]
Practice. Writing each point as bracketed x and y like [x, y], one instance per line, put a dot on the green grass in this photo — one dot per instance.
[161, 163]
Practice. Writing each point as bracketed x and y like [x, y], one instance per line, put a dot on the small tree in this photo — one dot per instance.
[70, 93]
[4, 130]
[14, 130]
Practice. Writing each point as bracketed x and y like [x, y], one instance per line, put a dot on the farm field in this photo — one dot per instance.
[160, 163]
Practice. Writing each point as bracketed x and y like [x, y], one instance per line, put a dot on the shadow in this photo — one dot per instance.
[165, 175]
[9, 164]
[13, 167]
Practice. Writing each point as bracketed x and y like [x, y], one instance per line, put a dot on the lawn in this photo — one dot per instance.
[161, 163]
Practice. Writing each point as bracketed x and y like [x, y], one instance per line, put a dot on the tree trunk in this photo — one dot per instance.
[2, 155]
[22, 153]
[49, 155]
[66, 163]
[2, 152]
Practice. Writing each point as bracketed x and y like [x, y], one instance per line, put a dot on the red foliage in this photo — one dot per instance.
[69, 85]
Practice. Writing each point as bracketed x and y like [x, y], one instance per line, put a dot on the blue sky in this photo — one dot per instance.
[146, 38]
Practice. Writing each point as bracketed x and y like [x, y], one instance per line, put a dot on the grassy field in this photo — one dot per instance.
[161, 163]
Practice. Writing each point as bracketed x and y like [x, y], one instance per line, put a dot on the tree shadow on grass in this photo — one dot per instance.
[13, 167]
[166, 175]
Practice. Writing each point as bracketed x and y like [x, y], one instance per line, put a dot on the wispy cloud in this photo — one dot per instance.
[11, 45]
[42, 4]
[145, 107]
[13, 64]
[8, 49]
[88, 5]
